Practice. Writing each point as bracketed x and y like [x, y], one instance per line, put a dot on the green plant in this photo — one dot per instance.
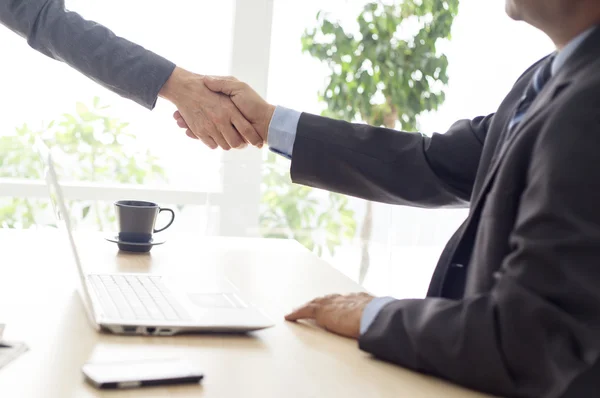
[295, 212]
[88, 145]
[387, 73]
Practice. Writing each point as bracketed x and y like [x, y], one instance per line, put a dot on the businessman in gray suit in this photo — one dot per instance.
[127, 69]
[513, 307]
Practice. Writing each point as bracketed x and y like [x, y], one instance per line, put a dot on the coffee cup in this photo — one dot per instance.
[136, 220]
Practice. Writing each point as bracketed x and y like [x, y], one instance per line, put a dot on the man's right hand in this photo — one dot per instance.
[255, 109]
[208, 116]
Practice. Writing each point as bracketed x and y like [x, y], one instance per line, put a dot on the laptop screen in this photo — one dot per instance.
[63, 219]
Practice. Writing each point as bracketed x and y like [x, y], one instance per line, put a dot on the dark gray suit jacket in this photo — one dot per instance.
[119, 65]
[514, 304]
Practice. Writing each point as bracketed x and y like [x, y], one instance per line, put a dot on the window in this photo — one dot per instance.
[102, 140]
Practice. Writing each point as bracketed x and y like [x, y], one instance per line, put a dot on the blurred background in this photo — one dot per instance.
[411, 65]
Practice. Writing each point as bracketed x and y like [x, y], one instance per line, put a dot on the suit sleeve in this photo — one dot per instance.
[117, 64]
[389, 166]
[536, 330]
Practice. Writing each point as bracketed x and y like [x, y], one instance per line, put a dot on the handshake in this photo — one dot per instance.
[219, 111]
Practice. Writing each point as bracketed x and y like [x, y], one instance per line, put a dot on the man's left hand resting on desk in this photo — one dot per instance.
[335, 313]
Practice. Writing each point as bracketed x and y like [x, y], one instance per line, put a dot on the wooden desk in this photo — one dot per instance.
[38, 303]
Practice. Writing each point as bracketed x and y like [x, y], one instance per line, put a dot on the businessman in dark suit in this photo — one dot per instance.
[513, 307]
[127, 69]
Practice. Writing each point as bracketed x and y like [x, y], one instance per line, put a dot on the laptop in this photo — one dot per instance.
[149, 304]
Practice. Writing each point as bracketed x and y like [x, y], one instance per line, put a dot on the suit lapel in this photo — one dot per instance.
[557, 84]
[586, 53]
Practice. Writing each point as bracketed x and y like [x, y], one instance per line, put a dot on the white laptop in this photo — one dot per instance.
[148, 304]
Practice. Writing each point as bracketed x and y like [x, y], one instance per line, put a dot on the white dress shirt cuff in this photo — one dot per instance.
[371, 311]
[282, 131]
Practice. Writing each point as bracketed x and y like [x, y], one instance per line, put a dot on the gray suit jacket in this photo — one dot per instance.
[119, 65]
[514, 304]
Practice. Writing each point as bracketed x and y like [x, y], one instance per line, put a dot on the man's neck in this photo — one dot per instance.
[568, 26]
[564, 37]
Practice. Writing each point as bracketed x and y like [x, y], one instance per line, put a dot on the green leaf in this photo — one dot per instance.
[81, 109]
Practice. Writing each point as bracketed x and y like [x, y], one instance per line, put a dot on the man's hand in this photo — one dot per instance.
[256, 110]
[335, 313]
[208, 116]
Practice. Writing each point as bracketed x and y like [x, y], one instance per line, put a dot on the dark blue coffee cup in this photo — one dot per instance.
[136, 220]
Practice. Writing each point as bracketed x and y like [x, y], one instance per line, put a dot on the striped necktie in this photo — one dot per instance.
[540, 78]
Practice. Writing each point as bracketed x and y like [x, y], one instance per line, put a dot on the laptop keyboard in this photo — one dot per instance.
[136, 297]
